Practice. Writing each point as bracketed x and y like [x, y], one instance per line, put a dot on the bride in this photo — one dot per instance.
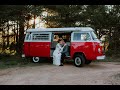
[57, 52]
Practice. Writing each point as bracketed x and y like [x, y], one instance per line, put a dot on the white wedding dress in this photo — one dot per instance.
[57, 54]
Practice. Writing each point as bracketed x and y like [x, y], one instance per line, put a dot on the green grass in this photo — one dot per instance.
[16, 61]
[9, 61]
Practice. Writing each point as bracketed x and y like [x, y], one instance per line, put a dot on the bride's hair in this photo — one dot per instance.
[65, 40]
[59, 40]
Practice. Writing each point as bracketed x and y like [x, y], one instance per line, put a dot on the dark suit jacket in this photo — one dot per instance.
[65, 50]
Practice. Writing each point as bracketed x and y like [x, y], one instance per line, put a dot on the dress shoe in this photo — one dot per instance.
[61, 65]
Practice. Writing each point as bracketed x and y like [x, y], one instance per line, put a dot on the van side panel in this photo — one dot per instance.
[40, 49]
[90, 49]
[26, 48]
[85, 47]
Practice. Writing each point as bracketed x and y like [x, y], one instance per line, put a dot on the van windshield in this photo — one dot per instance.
[94, 36]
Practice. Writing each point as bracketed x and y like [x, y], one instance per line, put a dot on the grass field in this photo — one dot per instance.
[16, 61]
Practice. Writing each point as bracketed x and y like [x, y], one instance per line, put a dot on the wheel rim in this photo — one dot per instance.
[36, 59]
[77, 61]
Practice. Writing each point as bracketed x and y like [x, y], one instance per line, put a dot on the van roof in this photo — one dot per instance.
[67, 29]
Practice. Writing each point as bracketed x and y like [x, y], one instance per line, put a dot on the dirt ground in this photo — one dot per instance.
[97, 73]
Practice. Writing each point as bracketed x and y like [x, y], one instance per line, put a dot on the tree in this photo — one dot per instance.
[19, 14]
[64, 15]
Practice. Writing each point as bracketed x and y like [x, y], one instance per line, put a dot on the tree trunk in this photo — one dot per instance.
[34, 21]
[14, 31]
[115, 41]
[17, 39]
[21, 36]
[27, 24]
[3, 38]
[110, 34]
[8, 34]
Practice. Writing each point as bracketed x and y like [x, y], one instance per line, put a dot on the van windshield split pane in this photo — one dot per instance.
[27, 36]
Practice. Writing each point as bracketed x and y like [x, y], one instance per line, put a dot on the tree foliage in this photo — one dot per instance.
[18, 14]
[105, 19]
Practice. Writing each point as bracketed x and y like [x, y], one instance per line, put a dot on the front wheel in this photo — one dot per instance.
[35, 59]
[79, 61]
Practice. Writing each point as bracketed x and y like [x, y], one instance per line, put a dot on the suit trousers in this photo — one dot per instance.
[62, 57]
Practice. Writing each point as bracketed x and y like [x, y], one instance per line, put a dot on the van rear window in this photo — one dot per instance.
[40, 37]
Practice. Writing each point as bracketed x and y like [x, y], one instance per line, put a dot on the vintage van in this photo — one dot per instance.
[84, 46]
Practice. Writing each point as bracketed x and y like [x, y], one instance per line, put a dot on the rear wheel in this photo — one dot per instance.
[88, 61]
[35, 59]
[79, 60]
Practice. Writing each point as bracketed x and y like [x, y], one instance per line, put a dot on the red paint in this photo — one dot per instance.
[26, 48]
[97, 45]
[40, 49]
[89, 49]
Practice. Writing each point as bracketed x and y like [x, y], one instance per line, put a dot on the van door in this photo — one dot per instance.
[40, 44]
[82, 42]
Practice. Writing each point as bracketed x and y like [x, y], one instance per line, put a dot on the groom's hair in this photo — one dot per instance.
[59, 40]
[65, 40]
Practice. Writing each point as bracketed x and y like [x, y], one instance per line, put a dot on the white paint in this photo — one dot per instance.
[100, 57]
[68, 29]
[23, 55]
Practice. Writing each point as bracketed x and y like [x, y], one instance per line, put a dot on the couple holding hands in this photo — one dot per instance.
[60, 52]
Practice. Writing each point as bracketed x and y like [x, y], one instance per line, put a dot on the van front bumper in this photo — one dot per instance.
[100, 57]
[23, 55]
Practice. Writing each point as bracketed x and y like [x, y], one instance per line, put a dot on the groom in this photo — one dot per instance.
[65, 52]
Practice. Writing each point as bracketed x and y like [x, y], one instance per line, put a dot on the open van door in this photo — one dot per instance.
[40, 44]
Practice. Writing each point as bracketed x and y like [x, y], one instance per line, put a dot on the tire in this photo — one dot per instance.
[35, 59]
[79, 60]
[88, 61]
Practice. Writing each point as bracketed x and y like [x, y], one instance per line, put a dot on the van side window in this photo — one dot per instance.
[40, 37]
[77, 36]
[81, 36]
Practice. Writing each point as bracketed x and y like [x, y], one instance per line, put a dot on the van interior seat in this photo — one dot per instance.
[53, 46]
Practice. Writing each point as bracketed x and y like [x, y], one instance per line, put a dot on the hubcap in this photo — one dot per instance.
[35, 59]
[77, 61]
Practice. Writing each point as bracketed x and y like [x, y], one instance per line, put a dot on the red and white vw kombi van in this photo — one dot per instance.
[84, 46]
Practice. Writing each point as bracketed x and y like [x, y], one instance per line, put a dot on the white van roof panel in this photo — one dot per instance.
[67, 29]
